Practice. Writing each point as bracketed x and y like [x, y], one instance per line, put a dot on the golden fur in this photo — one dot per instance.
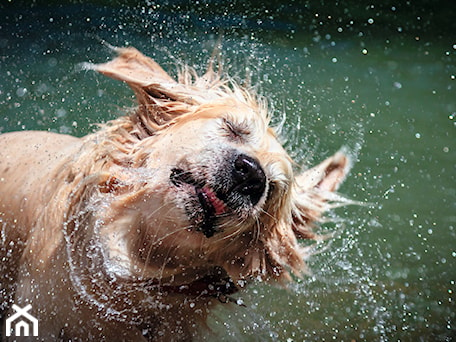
[135, 232]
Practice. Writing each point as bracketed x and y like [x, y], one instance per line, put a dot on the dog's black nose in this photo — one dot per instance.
[249, 178]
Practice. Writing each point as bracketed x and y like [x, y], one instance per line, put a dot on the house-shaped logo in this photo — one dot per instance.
[21, 321]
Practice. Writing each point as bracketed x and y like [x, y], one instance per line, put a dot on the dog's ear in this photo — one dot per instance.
[315, 193]
[132, 67]
[159, 96]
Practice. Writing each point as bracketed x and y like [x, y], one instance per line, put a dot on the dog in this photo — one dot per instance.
[135, 232]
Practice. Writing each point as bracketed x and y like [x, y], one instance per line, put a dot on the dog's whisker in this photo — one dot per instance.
[257, 230]
[270, 215]
[152, 246]
[234, 233]
[153, 240]
[165, 261]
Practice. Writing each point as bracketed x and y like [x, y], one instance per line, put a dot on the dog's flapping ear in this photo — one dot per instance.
[159, 96]
[315, 193]
[132, 67]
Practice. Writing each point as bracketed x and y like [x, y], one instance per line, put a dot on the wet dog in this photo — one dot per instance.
[134, 232]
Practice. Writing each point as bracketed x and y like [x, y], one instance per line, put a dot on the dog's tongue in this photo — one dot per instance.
[218, 205]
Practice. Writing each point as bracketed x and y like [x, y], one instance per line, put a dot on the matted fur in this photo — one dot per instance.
[102, 230]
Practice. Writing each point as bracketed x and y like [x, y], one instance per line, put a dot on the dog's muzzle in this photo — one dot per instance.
[240, 184]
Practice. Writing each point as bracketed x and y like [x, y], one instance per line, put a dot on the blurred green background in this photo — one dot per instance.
[378, 78]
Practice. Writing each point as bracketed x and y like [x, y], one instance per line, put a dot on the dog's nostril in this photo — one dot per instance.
[249, 178]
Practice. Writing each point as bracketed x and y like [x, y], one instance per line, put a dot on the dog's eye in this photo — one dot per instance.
[235, 131]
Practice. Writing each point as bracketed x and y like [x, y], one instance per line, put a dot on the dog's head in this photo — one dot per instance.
[203, 188]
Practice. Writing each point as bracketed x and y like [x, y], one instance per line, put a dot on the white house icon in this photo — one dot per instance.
[22, 327]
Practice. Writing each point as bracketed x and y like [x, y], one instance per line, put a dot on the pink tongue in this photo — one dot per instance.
[216, 202]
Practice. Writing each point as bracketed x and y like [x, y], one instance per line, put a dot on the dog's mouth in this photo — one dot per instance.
[240, 186]
[212, 203]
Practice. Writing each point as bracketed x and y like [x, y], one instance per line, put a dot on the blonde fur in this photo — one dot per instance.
[102, 231]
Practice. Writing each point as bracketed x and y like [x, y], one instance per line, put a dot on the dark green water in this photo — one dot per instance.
[380, 80]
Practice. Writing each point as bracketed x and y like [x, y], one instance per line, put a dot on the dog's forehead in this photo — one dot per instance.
[231, 108]
[248, 120]
[240, 115]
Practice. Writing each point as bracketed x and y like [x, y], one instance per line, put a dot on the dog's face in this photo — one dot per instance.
[212, 190]
[218, 168]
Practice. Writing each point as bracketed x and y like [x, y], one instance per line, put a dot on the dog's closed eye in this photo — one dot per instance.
[235, 131]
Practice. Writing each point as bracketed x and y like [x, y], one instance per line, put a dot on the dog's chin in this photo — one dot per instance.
[207, 206]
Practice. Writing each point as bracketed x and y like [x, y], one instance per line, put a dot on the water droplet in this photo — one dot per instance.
[364, 51]
[52, 62]
[61, 112]
[21, 92]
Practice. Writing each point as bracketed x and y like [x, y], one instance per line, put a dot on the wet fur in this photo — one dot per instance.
[99, 240]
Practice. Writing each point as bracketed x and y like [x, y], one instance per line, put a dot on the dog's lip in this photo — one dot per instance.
[207, 196]
[211, 201]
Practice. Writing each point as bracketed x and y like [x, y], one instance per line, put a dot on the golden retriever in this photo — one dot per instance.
[136, 231]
